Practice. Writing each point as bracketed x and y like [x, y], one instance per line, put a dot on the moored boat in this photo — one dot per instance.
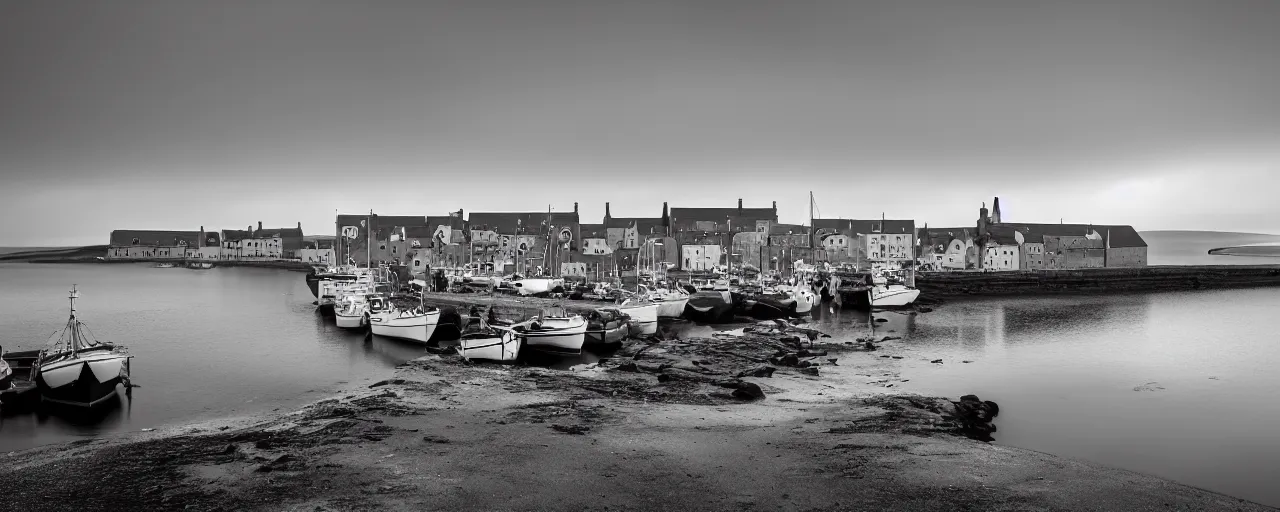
[493, 344]
[557, 334]
[78, 370]
[671, 303]
[709, 306]
[643, 313]
[607, 326]
[352, 311]
[415, 324]
[536, 285]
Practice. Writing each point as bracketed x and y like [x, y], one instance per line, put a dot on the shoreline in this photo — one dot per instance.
[443, 434]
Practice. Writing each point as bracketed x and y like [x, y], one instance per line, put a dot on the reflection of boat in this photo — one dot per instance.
[709, 306]
[78, 370]
[607, 325]
[494, 344]
[560, 333]
[643, 313]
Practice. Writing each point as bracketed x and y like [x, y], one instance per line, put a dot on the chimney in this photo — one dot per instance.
[259, 225]
[995, 211]
[575, 207]
[607, 216]
[299, 225]
[775, 206]
[200, 242]
[739, 205]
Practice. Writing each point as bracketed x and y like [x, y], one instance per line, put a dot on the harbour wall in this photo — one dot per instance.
[1096, 280]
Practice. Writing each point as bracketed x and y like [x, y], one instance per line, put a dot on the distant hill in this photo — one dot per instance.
[10, 250]
[88, 252]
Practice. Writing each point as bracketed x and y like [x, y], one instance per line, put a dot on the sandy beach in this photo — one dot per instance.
[661, 425]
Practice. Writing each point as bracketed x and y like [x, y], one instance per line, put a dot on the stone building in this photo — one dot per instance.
[1064, 246]
[707, 236]
[126, 244]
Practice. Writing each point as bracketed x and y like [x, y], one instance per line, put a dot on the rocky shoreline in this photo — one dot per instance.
[743, 422]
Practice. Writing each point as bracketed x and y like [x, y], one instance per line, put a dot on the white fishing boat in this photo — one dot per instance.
[352, 311]
[643, 313]
[415, 324]
[554, 333]
[76, 369]
[493, 344]
[536, 285]
[166, 265]
[671, 303]
[893, 295]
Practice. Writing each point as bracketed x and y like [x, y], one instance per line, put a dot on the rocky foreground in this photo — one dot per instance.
[748, 422]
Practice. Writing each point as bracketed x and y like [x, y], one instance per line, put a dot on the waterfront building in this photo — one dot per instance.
[878, 242]
[649, 236]
[946, 248]
[697, 230]
[1062, 246]
[126, 244]
[527, 240]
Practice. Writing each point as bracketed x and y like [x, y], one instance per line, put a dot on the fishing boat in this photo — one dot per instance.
[671, 303]
[557, 333]
[492, 344]
[709, 306]
[206, 265]
[166, 265]
[415, 324]
[643, 313]
[6, 375]
[352, 311]
[76, 369]
[536, 285]
[607, 326]
[804, 297]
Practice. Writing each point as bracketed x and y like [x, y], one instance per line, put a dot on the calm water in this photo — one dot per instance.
[1064, 371]
[1192, 248]
[209, 343]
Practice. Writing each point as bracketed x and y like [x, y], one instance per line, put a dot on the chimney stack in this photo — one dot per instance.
[259, 225]
[299, 225]
[607, 216]
[739, 205]
[995, 212]
[575, 207]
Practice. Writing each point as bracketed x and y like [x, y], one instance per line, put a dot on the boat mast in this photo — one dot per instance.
[368, 242]
[812, 250]
[74, 342]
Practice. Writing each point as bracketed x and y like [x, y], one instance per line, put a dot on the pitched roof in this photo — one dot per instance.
[943, 236]
[1121, 236]
[281, 232]
[235, 234]
[866, 227]
[510, 222]
[719, 214]
[593, 231]
[643, 225]
[788, 229]
[1004, 234]
[123, 237]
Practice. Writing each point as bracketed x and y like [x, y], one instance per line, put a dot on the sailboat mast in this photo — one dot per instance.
[368, 242]
[812, 249]
[74, 342]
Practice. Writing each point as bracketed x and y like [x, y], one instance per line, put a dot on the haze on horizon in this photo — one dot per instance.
[175, 114]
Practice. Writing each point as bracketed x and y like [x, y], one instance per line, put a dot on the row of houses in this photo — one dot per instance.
[692, 239]
[249, 244]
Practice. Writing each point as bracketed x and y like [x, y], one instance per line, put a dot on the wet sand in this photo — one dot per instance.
[446, 434]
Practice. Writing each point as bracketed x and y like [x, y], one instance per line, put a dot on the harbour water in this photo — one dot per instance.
[1172, 384]
[1179, 385]
[209, 343]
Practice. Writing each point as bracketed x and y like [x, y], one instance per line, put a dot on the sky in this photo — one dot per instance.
[174, 114]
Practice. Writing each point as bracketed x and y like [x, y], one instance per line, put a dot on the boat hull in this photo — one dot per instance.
[644, 319]
[81, 382]
[894, 297]
[608, 335]
[672, 308]
[709, 306]
[502, 346]
[564, 337]
[408, 327]
[348, 321]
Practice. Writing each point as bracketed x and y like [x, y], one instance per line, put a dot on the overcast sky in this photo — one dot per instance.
[174, 114]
